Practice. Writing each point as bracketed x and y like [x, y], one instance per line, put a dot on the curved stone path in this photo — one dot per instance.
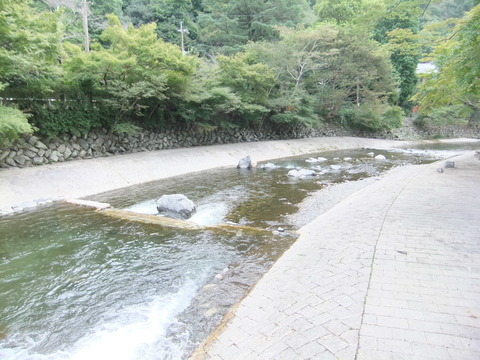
[392, 272]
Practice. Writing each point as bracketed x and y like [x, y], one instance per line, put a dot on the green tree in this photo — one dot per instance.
[296, 59]
[457, 80]
[29, 49]
[13, 123]
[405, 48]
[99, 11]
[232, 91]
[447, 9]
[338, 11]
[398, 28]
[328, 73]
[168, 14]
[76, 16]
[226, 26]
[29, 61]
[138, 76]
[358, 86]
[439, 21]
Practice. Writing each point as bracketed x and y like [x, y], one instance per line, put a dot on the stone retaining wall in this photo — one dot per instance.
[410, 131]
[449, 132]
[35, 150]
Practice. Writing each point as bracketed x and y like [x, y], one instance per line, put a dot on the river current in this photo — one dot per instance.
[76, 284]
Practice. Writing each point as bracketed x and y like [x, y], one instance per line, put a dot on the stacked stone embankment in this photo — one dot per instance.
[36, 150]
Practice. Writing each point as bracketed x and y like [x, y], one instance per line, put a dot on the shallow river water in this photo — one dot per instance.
[76, 284]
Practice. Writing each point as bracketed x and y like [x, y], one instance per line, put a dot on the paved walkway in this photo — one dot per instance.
[392, 272]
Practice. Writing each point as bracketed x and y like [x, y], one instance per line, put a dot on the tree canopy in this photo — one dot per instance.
[457, 80]
[242, 63]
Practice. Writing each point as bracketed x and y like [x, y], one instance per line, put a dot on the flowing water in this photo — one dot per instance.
[76, 284]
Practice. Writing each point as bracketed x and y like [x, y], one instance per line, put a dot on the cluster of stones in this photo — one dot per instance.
[34, 150]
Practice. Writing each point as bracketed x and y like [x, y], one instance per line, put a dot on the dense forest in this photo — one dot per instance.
[67, 66]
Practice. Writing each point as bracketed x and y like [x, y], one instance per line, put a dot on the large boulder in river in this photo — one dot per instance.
[302, 173]
[245, 163]
[176, 205]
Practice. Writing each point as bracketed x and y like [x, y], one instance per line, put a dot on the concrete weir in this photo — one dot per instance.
[106, 209]
[152, 219]
[93, 204]
[176, 223]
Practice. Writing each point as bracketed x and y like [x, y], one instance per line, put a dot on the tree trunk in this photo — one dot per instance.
[85, 25]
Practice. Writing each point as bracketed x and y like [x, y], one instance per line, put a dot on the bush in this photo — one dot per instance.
[447, 115]
[372, 118]
[75, 119]
[13, 123]
[126, 128]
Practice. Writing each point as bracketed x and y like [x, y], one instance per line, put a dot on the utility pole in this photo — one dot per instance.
[85, 13]
[182, 31]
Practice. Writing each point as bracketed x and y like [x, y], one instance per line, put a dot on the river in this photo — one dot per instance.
[76, 284]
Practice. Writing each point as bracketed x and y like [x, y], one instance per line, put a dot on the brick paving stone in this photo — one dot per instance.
[464, 354]
[368, 354]
[310, 350]
[429, 351]
[392, 272]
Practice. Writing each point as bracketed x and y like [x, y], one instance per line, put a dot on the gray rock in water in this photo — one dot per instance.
[306, 172]
[268, 166]
[302, 173]
[176, 205]
[245, 163]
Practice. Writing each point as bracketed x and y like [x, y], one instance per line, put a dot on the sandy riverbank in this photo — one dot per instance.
[22, 188]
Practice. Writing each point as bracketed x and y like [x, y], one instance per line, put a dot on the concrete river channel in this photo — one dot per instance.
[76, 284]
